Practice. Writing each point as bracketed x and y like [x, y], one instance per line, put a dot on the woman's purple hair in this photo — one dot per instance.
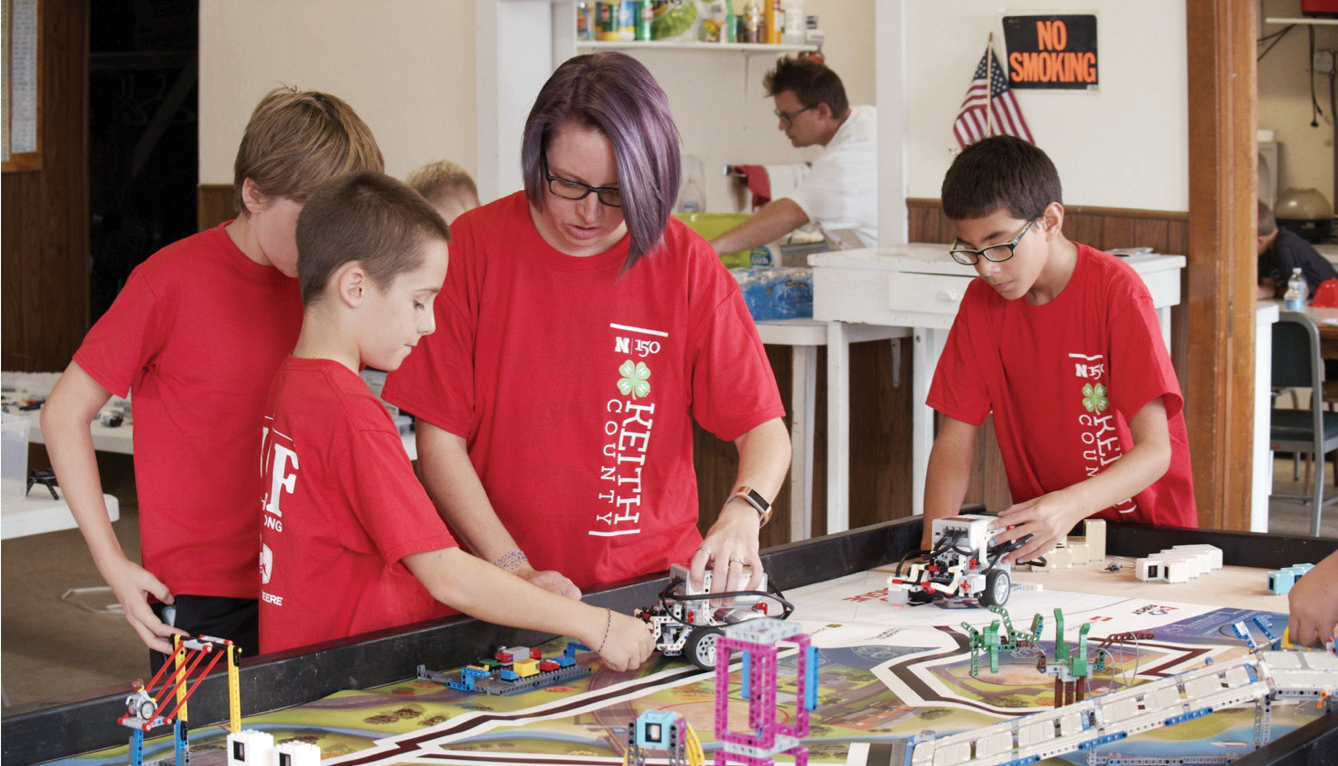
[615, 94]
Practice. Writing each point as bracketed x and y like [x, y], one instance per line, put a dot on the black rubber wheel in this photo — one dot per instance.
[700, 648]
[998, 587]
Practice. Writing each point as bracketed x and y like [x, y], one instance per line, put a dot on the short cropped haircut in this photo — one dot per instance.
[296, 140]
[443, 180]
[616, 95]
[1268, 222]
[1000, 172]
[366, 217]
[810, 81]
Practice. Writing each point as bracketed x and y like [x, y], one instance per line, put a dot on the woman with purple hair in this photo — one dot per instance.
[581, 330]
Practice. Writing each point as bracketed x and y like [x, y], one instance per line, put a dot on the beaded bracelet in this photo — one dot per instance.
[512, 560]
[608, 623]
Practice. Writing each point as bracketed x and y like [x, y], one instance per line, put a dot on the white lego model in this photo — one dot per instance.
[1178, 564]
[961, 564]
[251, 747]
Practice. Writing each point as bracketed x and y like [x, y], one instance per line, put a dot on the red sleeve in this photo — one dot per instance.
[733, 387]
[1140, 365]
[436, 382]
[387, 498]
[123, 344]
[958, 389]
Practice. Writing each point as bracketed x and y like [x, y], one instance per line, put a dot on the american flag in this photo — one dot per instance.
[973, 123]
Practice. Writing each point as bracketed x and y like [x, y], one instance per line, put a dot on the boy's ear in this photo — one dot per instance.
[252, 197]
[1053, 216]
[351, 283]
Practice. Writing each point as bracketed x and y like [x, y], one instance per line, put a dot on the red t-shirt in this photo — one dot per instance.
[342, 508]
[195, 336]
[575, 386]
[1063, 380]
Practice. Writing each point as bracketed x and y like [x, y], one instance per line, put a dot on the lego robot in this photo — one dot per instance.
[961, 565]
[686, 622]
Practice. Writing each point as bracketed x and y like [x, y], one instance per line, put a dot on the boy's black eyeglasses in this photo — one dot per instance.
[788, 117]
[994, 253]
[574, 190]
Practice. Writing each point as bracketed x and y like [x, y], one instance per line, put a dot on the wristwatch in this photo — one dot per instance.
[754, 498]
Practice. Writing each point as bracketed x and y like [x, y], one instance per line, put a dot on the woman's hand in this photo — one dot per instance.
[731, 549]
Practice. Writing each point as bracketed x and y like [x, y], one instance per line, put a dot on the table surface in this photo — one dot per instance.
[38, 513]
[839, 562]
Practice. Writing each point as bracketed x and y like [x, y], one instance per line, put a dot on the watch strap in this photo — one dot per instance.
[754, 498]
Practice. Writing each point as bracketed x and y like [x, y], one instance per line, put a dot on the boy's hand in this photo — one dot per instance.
[550, 580]
[1313, 603]
[1046, 518]
[628, 645]
[132, 585]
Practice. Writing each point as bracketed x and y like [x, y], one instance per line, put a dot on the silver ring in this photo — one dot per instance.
[704, 549]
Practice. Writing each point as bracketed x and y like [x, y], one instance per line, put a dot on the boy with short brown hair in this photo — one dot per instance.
[1060, 342]
[195, 335]
[344, 513]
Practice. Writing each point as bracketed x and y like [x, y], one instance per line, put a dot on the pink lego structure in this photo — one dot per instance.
[760, 641]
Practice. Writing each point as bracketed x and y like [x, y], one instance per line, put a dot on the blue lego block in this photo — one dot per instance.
[654, 729]
[1280, 581]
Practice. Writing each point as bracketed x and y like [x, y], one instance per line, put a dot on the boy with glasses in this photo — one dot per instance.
[1059, 342]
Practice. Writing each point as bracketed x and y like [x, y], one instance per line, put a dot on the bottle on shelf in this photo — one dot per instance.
[1294, 298]
[796, 24]
[752, 22]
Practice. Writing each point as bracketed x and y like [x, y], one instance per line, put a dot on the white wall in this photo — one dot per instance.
[1305, 153]
[1125, 145]
[406, 67]
[410, 74]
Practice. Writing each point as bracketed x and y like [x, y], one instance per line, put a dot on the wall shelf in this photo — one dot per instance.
[686, 45]
[1303, 20]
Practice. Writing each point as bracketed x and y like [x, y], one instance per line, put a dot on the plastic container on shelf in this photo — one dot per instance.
[14, 456]
[712, 25]
[674, 19]
[712, 225]
[796, 24]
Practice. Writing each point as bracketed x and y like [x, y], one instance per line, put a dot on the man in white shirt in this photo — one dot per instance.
[840, 189]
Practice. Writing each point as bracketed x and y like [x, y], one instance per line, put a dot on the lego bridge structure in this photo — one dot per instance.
[1260, 678]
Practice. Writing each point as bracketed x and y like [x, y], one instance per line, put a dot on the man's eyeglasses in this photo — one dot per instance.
[788, 117]
[574, 190]
[994, 253]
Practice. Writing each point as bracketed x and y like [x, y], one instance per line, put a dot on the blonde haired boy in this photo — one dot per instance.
[195, 336]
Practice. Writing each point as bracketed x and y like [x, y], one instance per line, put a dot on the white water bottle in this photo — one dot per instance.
[1294, 298]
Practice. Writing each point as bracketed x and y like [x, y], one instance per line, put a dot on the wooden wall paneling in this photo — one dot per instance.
[1223, 186]
[880, 443]
[44, 251]
[880, 432]
[213, 205]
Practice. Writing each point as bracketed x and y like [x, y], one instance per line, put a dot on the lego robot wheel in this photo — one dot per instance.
[700, 647]
[998, 586]
[146, 710]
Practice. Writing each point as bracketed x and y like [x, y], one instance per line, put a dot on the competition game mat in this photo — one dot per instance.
[885, 672]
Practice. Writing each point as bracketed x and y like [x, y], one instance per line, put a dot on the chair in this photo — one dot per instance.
[1311, 431]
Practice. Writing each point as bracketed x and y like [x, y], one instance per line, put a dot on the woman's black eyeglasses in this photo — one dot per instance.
[574, 190]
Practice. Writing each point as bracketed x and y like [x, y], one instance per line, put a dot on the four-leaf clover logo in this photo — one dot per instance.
[1093, 397]
[633, 380]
